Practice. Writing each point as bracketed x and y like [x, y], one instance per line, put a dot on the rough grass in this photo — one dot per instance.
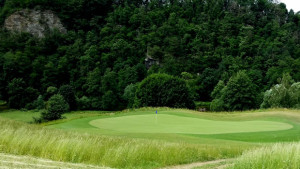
[79, 142]
[276, 156]
[22, 139]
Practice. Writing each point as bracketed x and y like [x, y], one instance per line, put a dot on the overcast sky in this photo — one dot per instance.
[292, 4]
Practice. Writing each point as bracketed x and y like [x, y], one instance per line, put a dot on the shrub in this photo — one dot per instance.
[295, 95]
[238, 94]
[56, 106]
[286, 94]
[129, 94]
[217, 105]
[159, 90]
[216, 93]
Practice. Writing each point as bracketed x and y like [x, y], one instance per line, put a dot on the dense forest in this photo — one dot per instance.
[99, 63]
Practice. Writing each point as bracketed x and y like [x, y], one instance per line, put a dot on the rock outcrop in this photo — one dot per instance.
[35, 22]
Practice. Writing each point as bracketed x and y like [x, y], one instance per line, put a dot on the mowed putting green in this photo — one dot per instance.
[166, 123]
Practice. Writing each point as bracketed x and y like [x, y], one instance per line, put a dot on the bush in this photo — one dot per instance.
[217, 105]
[160, 90]
[216, 93]
[238, 94]
[295, 95]
[56, 106]
[129, 95]
[286, 94]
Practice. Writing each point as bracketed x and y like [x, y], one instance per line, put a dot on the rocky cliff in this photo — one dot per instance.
[35, 22]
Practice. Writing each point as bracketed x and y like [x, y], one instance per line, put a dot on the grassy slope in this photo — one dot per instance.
[125, 152]
[22, 139]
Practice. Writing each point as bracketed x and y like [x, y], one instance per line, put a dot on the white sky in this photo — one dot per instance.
[292, 4]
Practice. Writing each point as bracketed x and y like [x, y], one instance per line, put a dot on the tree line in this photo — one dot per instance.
[100, 61]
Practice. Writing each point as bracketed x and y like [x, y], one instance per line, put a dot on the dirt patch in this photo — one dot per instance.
[11, 162]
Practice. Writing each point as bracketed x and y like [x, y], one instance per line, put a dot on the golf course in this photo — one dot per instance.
[142, 138]
[149, 84]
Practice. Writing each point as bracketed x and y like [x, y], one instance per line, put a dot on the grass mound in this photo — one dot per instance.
[277, 156]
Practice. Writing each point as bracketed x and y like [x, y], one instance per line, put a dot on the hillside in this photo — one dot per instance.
[101, 54]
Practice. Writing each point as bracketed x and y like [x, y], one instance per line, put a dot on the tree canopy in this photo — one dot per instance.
[106, 44]
[163, 90]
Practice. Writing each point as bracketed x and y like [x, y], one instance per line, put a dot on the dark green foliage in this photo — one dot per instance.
[84, 103]
[160, 90]
[68, 93]
[217, 105]
[203, 106]
[56, 106]
[238, 94]
[106, 44]
[19, 94]
[50, 92]
[205, 83]
[109, 101]
[217, 92]
[30, 94]
[15, 91]
[129, 94]
[39, 103]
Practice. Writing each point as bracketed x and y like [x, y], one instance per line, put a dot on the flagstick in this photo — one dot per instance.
[156, 117]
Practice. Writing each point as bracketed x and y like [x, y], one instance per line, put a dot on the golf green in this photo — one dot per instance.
[165, 123]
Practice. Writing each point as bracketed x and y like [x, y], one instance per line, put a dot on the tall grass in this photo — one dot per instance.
[277, 156]
[24, 139]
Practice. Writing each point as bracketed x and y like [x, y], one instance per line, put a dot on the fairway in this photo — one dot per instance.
[165, 123]
[135, 138]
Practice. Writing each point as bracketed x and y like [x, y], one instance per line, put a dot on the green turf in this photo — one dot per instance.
[18, 115]
[285, 118]
[164, 123]
[226, 135]
[79, 121]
